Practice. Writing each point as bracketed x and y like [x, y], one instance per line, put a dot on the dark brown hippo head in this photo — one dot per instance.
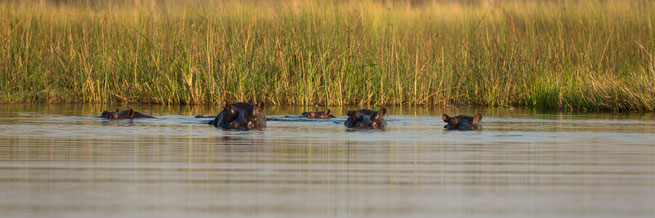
[126, 114]
[110, 114]
[366, 118]
[462, 122]
[240, 115]
[318, 114]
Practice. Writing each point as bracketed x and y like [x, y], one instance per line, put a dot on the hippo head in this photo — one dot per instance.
[318, 114]
[243, 116]
[366, 118]
[118, 114]
[462, 122]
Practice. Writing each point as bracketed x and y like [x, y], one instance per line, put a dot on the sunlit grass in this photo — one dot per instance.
[582, 55]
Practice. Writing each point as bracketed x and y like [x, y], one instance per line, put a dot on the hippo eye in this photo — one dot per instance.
[253, 112]
[249, 114]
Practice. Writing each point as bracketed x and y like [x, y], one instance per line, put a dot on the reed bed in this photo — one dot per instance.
[575, 55]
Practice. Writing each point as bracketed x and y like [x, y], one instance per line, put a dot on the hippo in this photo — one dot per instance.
[318, 114]
[126, 114]
[240, 116]
[462, 122]
[366, 118]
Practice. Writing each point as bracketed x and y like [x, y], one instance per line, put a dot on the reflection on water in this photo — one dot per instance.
[60, 161]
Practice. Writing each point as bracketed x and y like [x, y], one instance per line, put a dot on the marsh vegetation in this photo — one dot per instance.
[577, 55]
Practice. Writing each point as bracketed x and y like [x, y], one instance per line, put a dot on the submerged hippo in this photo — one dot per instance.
[366, 118]
[240, 115]
[126, 114]
[318, 114]
[462, 122]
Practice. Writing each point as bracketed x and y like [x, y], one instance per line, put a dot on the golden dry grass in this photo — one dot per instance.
[579, 55]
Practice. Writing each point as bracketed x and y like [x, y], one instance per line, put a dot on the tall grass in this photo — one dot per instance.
[579, 55]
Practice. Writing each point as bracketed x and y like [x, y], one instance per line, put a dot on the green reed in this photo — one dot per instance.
[578, 55]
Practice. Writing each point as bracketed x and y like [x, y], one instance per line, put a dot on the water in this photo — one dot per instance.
[61, 161]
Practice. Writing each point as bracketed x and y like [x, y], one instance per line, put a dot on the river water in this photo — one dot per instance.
[63, 161]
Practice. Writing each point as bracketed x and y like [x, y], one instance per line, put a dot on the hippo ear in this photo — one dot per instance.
[379, 114]
[445, 118]
[260, 105]
[351, 113]
[225, 104]
[256, 109]
[130, 113]
[327, 111]
[449, 120]
[117, 110]
[477, 119]
[382, 112]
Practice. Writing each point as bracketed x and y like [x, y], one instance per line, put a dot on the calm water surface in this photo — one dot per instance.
[62, 161]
